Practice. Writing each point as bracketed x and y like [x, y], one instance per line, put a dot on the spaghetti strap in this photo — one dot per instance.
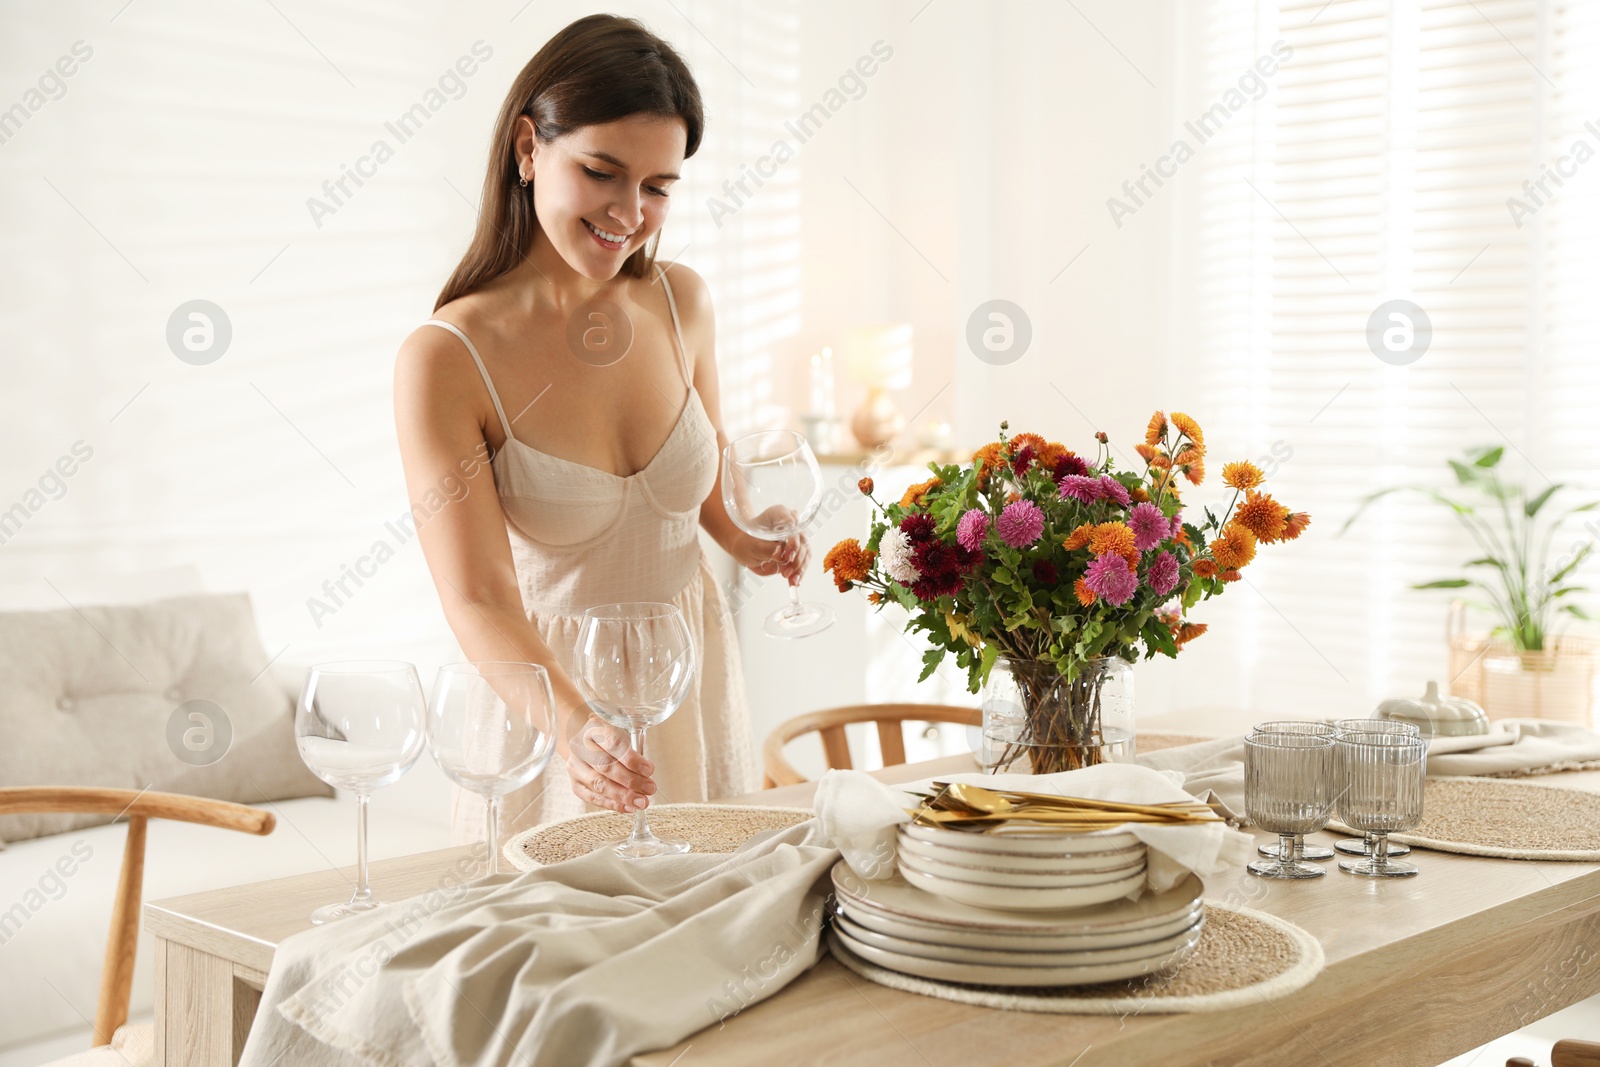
[505, 423]
[683, 355]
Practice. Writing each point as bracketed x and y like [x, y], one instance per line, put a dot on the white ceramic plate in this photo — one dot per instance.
[1023, 844]
[1020, 862]
[912, 930]
[896, 897]
[1165, 946]
[981, 974]
[1012, 898]
[1020, 879]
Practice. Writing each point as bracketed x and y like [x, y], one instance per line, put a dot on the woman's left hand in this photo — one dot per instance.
[788, 558]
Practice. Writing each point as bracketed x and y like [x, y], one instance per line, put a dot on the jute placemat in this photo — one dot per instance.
[1244, 957]
[708, 827]
[1506, 819]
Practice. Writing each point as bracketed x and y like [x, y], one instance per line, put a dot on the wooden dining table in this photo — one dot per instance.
[1418, 970]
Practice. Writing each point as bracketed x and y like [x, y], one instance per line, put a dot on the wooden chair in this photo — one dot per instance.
[1566, 1054]
[831, 723]
[116, 978]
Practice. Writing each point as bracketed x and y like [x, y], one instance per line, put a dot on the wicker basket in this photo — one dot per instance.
[1554, 683]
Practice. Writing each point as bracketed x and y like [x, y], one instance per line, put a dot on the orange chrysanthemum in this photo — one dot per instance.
[866, 486]
[1195, 471]
[1189, 428]
[1183, 539]
[849, 563]
[1234, 548]
[1085, 595]
[1147, 452]
[874, 598]
[1157, 428]
[1230, 576]
[1192, 454]
[990, 456]
[1052, 453]
[1262, 516]
[1205, 568]
[1242, 475]
[1033, 439]
[1139, 494]
[1189, 631]
[1115, 537]
[1079, 538]
[915, 494]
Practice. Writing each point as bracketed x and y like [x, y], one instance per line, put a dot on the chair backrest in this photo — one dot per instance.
[830, 724]
[140, 806]
[1575, 1054]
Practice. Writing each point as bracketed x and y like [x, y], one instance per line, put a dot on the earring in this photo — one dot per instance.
[523, 182]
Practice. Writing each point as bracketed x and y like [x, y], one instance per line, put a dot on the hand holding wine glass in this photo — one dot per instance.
[634, 665]
[772, 488]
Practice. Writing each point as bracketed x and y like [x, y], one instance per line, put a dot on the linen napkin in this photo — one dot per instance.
[582, 963]
[860, 815]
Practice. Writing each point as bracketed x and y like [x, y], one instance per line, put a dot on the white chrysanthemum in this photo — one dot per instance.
[894, 554]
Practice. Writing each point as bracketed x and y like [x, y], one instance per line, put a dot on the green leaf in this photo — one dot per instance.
[1489, 457]
[1575, 610]
[930, 663]
[1576, 559]
[1004, 576]
[1532, 507]
[1464, 474]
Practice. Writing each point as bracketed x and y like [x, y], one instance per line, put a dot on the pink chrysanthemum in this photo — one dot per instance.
[1149, 526]
[1176, 525]
[1020, 523]
[1111, 577]
[1162, 576]
[1112, 489]
[972, 529]
[1080, 487]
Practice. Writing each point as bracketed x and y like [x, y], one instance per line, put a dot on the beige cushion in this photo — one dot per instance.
[133, 1045]
[91, 696]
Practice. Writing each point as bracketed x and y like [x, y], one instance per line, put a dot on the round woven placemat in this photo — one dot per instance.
[708, 827]
[1506, 819]
[1244, 957]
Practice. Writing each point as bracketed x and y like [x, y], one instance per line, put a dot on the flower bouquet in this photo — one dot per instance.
[1065, 568]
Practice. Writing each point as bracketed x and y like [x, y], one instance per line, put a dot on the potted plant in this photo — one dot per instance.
[1047, 574]
[1525, 665]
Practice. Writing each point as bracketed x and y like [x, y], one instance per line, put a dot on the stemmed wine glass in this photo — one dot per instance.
[358, 726]
[491, 728]
[1385, 774]
[1288, 790]
[1291, 726]
[633, 665]
[772, 487]
[1362, 846]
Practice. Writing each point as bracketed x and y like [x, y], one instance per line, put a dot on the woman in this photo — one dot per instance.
[587, 371]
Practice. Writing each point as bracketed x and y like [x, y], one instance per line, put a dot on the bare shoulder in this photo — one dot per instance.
[692, 295]
[433, 364]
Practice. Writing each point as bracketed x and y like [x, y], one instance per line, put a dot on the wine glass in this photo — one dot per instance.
[1288, 790]
[1362, 846]
[358, 726]
[1291, 726]
[633, 665]
[1384, 776]
[491, 728]
[772, 487]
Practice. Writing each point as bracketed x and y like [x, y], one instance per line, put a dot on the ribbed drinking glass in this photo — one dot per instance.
[1384, 774]
[1288, 791]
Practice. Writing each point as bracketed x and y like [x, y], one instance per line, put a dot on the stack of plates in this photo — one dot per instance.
[1022, 872]
[896, 925]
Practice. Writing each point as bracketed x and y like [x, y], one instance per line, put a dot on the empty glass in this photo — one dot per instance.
[1362, 846]
[491, 728]
[633, 665]
[1288, 791]
[772, 487]
[358, 726]
[1384, 774]
[1295, 726]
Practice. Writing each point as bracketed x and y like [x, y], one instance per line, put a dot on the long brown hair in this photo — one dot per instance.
[598, 69]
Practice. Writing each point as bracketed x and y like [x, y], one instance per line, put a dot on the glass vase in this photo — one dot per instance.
[1038, 721]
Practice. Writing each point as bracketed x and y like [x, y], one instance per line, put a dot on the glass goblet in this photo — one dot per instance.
[633, 665]
[491, 729]
[1362, 846]
[358, 726]
[1384, 774]
[1295, 726]
[1288, 790]
[772, 488]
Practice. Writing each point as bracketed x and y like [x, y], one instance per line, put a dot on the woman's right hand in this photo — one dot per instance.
[605, 770]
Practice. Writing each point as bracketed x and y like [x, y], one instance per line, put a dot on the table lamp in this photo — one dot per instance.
[878, 356]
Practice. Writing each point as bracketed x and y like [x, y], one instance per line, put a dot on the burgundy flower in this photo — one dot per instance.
[1068, 465]
[1044, 572]
[1022, 460]
[935, 559]
[932, 587]
[917, 526]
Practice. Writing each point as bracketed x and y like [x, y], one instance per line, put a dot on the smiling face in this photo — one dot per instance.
[600, 192]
